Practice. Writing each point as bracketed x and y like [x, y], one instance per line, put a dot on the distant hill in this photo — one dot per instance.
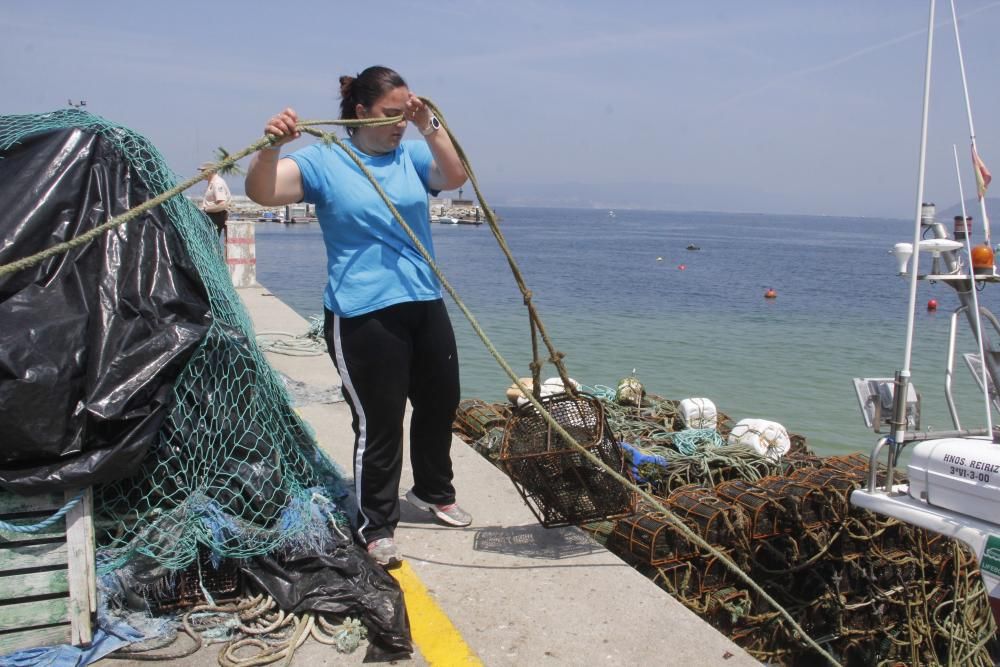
[971, 208]
[648, 195]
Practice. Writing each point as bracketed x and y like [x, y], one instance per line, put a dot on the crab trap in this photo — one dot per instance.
[475, 418]
[560, 485]
[205, 578]
[806, 503]
[767, 517]
[648, 537]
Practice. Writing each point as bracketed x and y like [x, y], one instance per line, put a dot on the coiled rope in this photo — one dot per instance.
[309, 344]
[537, 328]
[254, 623]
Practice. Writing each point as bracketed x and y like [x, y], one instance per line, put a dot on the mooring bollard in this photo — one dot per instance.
[241, 252]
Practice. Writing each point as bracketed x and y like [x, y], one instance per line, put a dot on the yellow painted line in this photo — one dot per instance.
[433, 633]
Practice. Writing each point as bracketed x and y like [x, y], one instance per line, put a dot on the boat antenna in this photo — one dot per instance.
[902, 381]
[972, 130]
[975, 297]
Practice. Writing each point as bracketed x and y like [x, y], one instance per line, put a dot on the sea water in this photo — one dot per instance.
[623, 291]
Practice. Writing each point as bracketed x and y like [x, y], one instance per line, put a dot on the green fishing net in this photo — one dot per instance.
[234, 470]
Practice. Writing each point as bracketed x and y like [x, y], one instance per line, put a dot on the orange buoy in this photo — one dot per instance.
[681, 267]
[770, 294]
[932, 305]
[982, 258]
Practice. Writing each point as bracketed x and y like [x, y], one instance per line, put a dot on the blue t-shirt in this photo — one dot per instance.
[371, 262]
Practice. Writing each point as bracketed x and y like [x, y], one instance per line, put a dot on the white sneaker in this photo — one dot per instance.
[452, 514]
[384, 552]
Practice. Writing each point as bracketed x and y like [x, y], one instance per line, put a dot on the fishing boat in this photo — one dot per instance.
[952, 484]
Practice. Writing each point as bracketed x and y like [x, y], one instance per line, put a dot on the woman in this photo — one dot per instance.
[386, 325]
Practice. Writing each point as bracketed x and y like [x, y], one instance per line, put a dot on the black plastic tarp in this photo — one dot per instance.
[345, 582]
[90, 340]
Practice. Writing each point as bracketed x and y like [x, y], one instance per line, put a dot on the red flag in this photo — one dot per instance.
[983, 176]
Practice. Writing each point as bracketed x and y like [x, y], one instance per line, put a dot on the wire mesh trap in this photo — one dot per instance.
[805, 502]
[767, 517]
[475, 418]
[648, 537]
[187, 587]
[559, 484]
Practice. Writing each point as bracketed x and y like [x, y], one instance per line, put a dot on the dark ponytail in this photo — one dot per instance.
[365, 89]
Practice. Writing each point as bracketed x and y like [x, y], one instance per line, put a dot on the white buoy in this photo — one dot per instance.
[767, 438]
[699, 413]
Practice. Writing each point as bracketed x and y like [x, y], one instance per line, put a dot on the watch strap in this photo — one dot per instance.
[431, 128]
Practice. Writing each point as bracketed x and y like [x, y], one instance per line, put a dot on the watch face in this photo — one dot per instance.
[435, 123]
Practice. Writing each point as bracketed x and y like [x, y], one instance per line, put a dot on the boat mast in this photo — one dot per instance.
[968, 112]
[977, 321]
[902, 382]
[989, 369]
[972, 311]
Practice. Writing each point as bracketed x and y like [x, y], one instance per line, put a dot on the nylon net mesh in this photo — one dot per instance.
[234, 468]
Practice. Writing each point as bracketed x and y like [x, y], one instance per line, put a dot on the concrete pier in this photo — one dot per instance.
[515, 593]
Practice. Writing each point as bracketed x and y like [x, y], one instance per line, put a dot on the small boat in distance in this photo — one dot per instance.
[693, 247]
[444, 219]
[611, 214]
[268, 216]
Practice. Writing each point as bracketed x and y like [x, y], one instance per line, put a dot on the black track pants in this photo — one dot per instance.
[384, 357]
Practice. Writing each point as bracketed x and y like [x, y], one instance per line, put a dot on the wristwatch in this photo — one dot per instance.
[434, 126]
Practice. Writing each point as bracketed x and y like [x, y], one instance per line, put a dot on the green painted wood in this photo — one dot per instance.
[37, 555]
[40, 612]
[16, 641]
[11, 503]
[58, 531]
[17, 586]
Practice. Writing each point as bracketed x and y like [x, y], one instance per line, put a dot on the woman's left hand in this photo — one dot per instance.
[417, 112]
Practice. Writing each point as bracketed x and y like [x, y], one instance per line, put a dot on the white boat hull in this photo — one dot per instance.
[982, 536]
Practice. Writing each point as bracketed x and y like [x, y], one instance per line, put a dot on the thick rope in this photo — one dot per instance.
[555, 356]
[291, 345]
[42, 525]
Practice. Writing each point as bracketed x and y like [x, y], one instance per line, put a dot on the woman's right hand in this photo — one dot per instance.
[270, 180]
[283, 126]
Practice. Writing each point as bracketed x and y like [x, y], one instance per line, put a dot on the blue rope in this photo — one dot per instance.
[599, 391]
[687, 441]
[42, 525]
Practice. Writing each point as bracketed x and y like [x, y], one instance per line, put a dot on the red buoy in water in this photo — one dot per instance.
[681, 267]
[932, 305]
[770, 294]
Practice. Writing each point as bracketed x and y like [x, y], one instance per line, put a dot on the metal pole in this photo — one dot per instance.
[976, 320]
[972, 130]
[903, 376]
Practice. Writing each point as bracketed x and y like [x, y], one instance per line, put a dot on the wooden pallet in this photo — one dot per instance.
[48, 587]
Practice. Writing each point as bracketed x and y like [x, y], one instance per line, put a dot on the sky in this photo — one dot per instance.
[776, 106]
